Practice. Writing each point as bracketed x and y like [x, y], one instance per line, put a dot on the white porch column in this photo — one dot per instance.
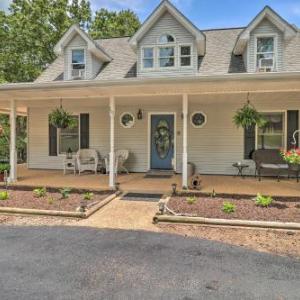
[112, 112]
[12, 146]
[184, 137]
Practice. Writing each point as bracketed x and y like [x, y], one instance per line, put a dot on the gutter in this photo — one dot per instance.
[141, 81]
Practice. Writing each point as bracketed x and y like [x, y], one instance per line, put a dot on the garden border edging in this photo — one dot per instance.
[226, 222]
[55, 213]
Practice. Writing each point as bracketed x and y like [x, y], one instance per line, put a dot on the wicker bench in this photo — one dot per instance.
[269, 160]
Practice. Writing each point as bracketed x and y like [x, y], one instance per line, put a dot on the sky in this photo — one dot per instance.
[205, 13]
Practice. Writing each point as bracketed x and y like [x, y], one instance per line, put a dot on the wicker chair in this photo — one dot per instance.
[87, 160]
[269, 160]
[121, 156]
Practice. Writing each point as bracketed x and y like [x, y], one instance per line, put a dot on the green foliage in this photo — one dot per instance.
[50, 200]
[228, 207]
[88, 196]
[4, 195]
[4, 167]
[65, 193]
[263, 201]
[60, 118]
[5, 137]
[109, 24]
[248, 116]
[39, 192]
[191, 200]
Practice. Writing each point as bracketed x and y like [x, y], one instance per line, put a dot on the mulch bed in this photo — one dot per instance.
[52, 200]
[246, 209]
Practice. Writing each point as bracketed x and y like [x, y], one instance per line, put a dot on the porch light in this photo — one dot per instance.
[69, 153]
[83, 205]
[174, 187]
[140, 114]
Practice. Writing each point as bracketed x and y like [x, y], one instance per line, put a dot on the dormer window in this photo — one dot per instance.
[166, 38]
[148, 57]
[166, 57]
[265, 54]
[185, 56]
[78, 64]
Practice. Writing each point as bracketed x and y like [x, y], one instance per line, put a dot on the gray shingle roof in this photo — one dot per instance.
[218, 58]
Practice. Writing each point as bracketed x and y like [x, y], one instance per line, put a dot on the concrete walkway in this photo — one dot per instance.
[123, 214]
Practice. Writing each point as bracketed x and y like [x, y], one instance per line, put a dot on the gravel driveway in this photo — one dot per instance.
[86, 263]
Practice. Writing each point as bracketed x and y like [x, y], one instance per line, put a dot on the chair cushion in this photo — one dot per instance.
[270, 166]
[86, 161]
[283, 166]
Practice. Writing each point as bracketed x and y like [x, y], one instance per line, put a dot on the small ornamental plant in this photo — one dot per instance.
[228, 207]
[88, 196]
[191, 200]
[292, 156]
[60, 118]
[263, 201]
[4, 195]
[65, 193]
[39, 192]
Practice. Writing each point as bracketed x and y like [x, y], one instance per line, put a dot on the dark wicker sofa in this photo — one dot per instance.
[270, 162]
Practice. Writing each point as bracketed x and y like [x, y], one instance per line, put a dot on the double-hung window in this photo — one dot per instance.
[68, 138]
[272, 135]
[167, 57]
[265, 54]
[78, 63]
[185, 56]
[148, 58]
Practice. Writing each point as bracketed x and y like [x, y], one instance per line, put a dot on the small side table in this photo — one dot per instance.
[69, 164]
[240, 167]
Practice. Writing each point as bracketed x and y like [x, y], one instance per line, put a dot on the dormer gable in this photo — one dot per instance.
[166, 7]
[287, 30]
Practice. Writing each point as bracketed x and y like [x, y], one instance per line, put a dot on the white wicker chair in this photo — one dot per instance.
[87, 160]
[121, 156]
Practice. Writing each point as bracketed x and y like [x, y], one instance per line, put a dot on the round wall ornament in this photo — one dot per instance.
[198, 119]
[127, 120]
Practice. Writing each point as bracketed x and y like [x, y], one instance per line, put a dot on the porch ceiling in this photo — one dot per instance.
[99, 92]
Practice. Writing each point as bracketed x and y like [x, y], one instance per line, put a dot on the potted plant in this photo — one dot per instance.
[60, 118]
[3, 167]
[248, 116]
[292, 157]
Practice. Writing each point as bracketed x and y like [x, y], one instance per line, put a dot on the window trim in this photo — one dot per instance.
[85, 60]
[127, 113]
[167, 43]
[198, 112]
[284, 129]
[180, 56]
[266, 35]
[142, 57]
[79, 136]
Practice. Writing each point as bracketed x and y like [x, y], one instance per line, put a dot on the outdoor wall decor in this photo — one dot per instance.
[198, 119]
[127, 120]
[162, 138]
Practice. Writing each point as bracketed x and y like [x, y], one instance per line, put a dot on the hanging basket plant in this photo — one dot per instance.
[248, 116]
[60, 118]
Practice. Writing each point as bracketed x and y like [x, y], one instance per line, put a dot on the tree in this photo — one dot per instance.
[31, 29]
[108, 24]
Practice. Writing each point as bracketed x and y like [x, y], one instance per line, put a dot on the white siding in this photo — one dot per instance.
[167, 24]
[267, 28]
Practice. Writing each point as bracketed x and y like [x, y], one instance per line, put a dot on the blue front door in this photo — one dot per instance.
[162, 141]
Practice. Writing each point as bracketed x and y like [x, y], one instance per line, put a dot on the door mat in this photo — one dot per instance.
[158, 176]
[142, 197]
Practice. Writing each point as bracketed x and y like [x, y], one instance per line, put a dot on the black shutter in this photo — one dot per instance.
[249, 142]
[292, 126]
[84, 131]
[52, 140]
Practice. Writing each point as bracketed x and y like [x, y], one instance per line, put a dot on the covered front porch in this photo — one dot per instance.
[213, 147]
[138, 183]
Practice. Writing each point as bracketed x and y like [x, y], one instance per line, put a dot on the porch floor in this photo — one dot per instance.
[137, 182]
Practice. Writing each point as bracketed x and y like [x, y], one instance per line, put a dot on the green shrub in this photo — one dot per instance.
[39, 192]
[229, 207]
[4, 195]
[4, 167]
[263, 201]
[65, 193]
[191, 200]
[88, 196]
